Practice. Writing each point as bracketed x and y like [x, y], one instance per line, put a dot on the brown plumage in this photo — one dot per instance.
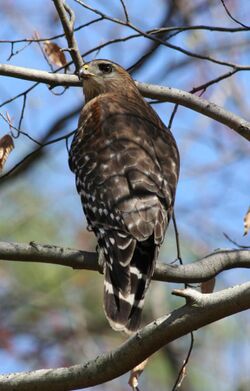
[127, 165]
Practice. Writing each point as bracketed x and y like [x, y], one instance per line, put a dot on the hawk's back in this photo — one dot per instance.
[126, 164]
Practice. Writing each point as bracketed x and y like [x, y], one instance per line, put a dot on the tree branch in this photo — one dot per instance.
[198, 104]
[198, 271]
[202, 309]
[53, 79]
[67, 18]
[238, 124]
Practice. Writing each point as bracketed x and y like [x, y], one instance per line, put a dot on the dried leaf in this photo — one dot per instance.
[135, 373]
[54, 53]
[6, 146]
[247, 222]
[208, 286]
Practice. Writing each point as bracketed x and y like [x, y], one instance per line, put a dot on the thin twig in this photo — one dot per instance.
[170, 123]
[56, 140]
[234, 242]
[177, 239]
[12, 53]
[156, 39]
[204, 86]
[22, 112]
[231, 16]
[125, 10]
[156, 30]
[183, 367]
[18, 95]
[19, 131]
[179, 257]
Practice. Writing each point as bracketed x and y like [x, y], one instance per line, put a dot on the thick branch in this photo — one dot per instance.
[202, 309]
[198, 271]
[203, 269]
[53, 79]
[198, 104]
[238, 124]
[67, 18]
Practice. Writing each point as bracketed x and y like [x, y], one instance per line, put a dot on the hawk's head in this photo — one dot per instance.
[102, 76]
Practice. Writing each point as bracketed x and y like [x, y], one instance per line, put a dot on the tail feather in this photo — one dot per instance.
[123, 308]
[116, 305]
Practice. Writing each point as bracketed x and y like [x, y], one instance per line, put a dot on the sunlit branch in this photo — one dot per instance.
[153, 91]
[198, 104]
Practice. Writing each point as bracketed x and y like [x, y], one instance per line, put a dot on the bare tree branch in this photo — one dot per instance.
[52, 79]
[238, 124]
[156, 30]
[231, 16]
[202, 309]
[198, 104]
[198, 271]
[67, 18]
[154, 38]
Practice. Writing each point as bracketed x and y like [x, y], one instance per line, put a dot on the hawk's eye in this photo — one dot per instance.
[104, 67]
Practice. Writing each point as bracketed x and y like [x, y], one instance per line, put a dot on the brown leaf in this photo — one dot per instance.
[6, 146]
[135, 373]
[208, 286]
[54, 53]
[247, 222]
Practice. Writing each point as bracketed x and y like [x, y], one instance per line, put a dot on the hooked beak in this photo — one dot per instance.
[84, 72]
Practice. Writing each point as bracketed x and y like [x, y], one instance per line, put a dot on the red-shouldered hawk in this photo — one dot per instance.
[126, 164]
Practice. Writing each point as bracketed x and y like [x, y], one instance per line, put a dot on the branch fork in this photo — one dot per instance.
[193, 297]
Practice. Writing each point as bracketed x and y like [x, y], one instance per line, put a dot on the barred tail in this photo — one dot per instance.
[123, 307]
